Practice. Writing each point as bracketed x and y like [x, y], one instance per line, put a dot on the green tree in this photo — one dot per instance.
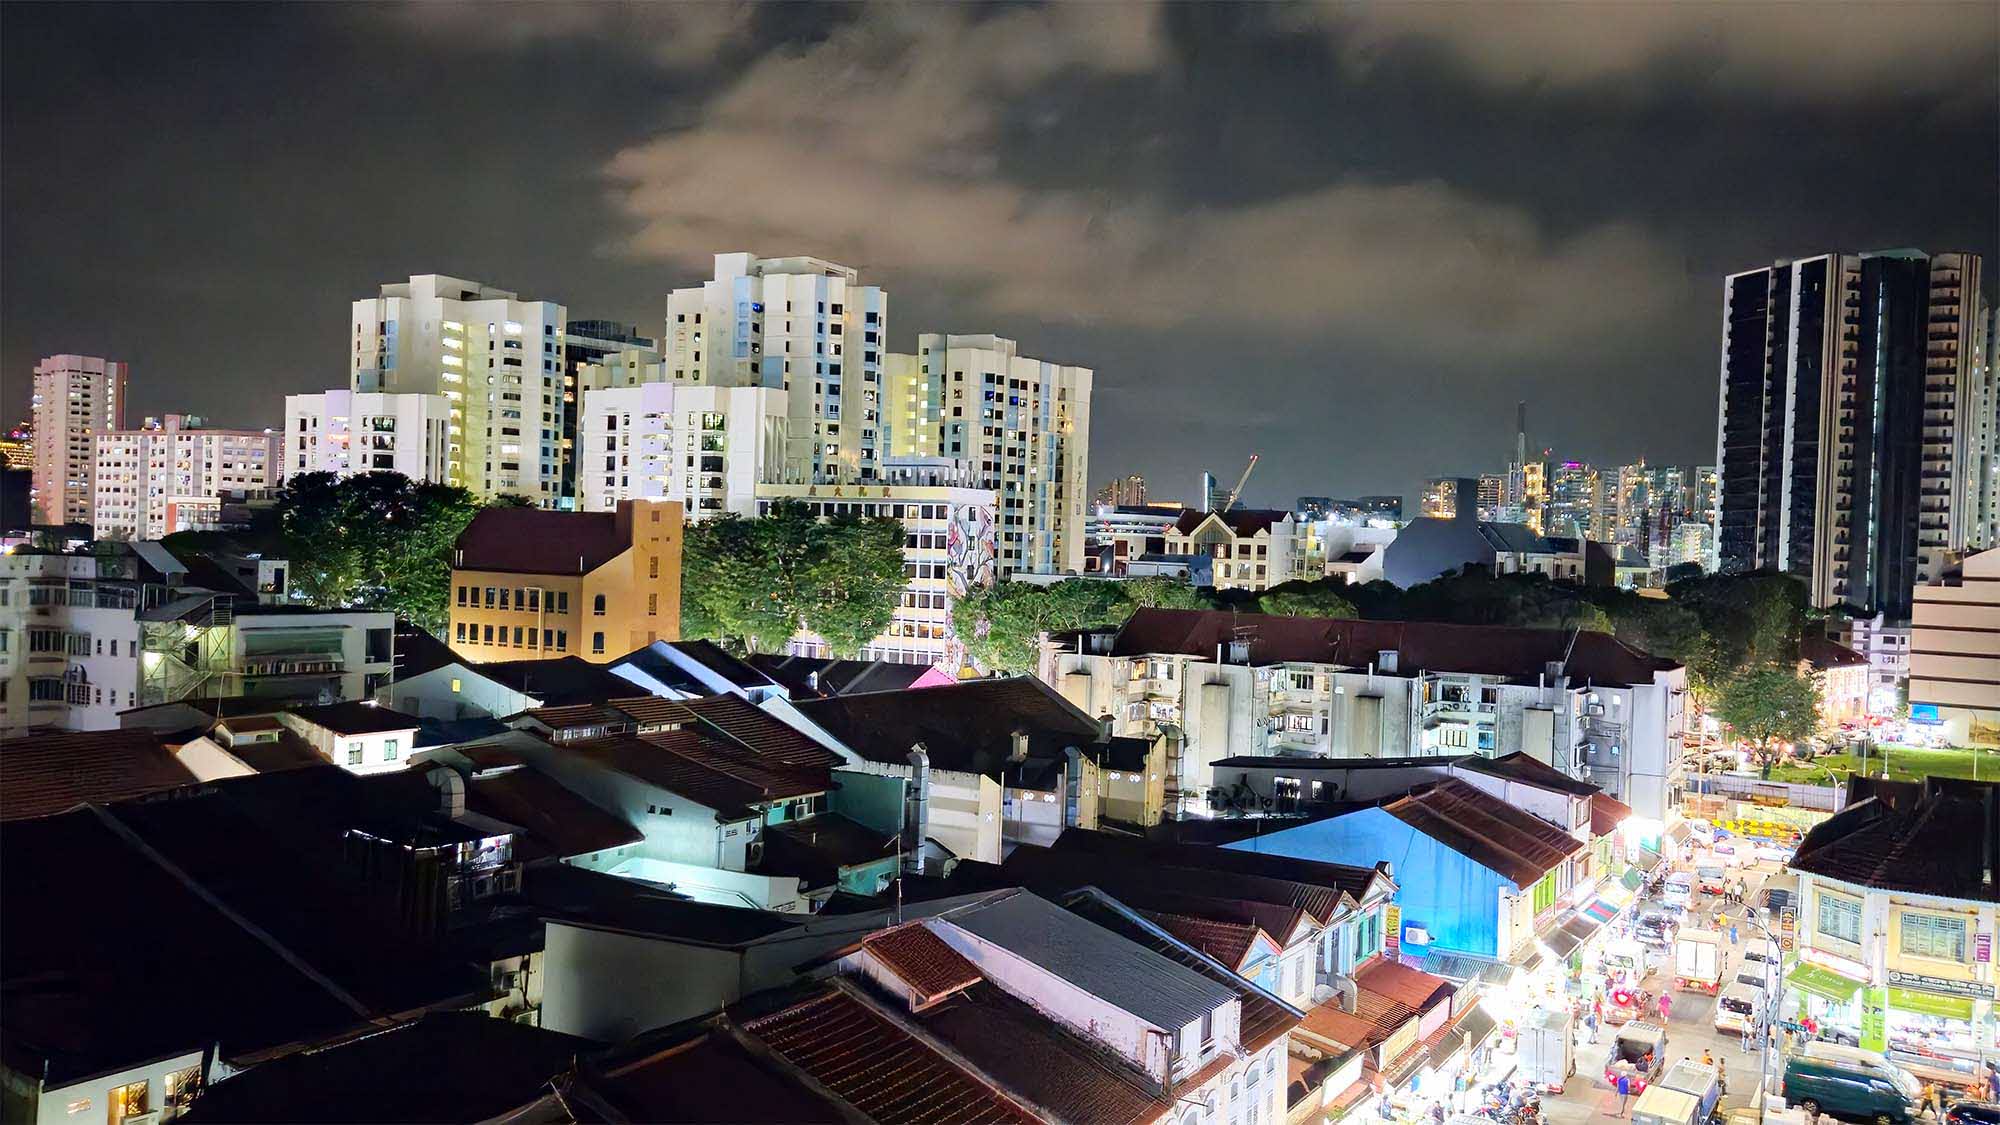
[1768, 704]
[751, 583]
[1001, 626]
[377, 540]
[1165, 593]
[1322, 598]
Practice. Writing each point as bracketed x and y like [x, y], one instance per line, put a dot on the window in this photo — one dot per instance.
[653, 565]
[1934, 935]
[1840, 918]
[389, 749]
[652, 605]
[597, 642]
[597, 605]
[354, 753]
[126, 1101]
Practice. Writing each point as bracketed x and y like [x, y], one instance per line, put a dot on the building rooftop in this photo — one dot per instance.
[697, 1072]
[43, 774]
[1227, 942]
[1485, 829]
[1240, 521]
[418, 652]
[539, 541]
[445, 1067]
[1095, 960]
[703, 769]
[1521, 655]
[965, 727]
[815, 850]
[1522, 767]
[1822, 654]
[1938, 837]
[356, 718]
[809, 677]
[921, 959]
[855, 1053]
[730, 667]
[562, 680]
[556, 822]
[1356, 883]
[1032, 1055]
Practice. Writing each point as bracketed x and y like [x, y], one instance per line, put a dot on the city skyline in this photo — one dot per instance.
[1365, 259]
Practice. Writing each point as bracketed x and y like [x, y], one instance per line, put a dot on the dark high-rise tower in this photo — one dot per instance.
[1843, 445]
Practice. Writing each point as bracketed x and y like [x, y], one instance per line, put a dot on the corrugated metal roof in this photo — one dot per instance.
[1135, 979]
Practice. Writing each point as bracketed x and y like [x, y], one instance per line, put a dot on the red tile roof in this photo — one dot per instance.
[1487, 830]
[559, 823]
[650, 709]
[1028, 1053]
[762, 733]
[1375, 1017]
[1520, 654]
[44, 774]
[721, 776]
[539, 541]
[922, 960]
[1227, 942]
[882, 1071]
[1607, 813]
[1412, 988]
[1822, 653]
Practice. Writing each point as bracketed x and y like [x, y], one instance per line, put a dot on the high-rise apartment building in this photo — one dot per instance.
[586, 342]
[1982, 467]
[76, 397]
[801, 325]
[1022, 426]
[1442, 496]
[1850, 426]
[174, 475]
[1492, 495]
[347, 433]
[497, 361]
[706, 448]
[1573, 501]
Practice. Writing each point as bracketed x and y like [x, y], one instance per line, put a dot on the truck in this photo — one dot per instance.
[1699, 1079]
[1638, 1052]
[1659, 1105]
[1698, 961]
[1544, 1048]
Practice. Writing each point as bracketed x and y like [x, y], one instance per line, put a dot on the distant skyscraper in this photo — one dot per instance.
[76, 397]
[1982, 478]
[1443, 495]
[1312, 508]
[496, 359]
[1573, 499]
[1128, 492]
[1493, 496]
[788, 323]
[1851, 426]
[17, 446]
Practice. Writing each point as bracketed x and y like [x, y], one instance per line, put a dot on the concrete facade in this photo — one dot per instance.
[174, 475]
[347, 433]
[76, 397]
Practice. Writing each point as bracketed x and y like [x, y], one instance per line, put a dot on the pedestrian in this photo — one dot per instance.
[1707, 1059]
[1590, 1026]
[1743, 1044]
[1624, 1092]
[1934, 1100]
[1721, 1074]
[1666, 1006]
[1437, 1113]
[1732, 934]
[1993, 1082]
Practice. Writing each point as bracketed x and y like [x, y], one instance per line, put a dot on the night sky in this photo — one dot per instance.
[1345, 237]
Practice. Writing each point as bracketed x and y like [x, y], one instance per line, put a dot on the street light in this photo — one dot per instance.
[1772, 1002]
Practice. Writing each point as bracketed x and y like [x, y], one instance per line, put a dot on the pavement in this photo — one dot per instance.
[1690, 1030]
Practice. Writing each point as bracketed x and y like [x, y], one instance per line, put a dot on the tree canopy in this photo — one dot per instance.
[752, 583]
[378, 540]
[1767, 704]
[1321, 598]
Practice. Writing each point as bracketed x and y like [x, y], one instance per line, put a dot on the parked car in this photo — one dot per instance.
[1776, 851]
[1655, 930]
[1736, 1009]
[1711, 879]
[1973, 1113]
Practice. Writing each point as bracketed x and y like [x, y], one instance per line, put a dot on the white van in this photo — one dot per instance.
[1678, 890]
[1736, 1009]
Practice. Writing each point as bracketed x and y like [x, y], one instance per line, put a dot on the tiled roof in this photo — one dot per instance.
[356, 718]
[1823, 653]
[921, 959]
[722, 662]
[1227, 942]
[651, 709]
[287, 752]
[1264, 1018]
[559, 823]
[837, 677]
[1341, 878]
[762, 733]
[966, 727]
[1487, 830]
[700, 1074]
[564, 679]
[711, 773]
[418, 652]
[573, 716]
[1519, 654]
[1032, 1055]
[1375, 1017]
[1159, 886]
[1938, 847]
[1519, 766]
[816, 849]
[539, 541]
[1607, 813]
[1412, 988]
[871, 1064]
[43, 774]
[1240, 521]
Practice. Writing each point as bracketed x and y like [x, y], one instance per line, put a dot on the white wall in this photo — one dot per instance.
[454, 691]
[611, 986]
[340, 432]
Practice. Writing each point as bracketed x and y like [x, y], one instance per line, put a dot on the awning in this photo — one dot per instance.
[1646, 860]
[1453, 966]
[1571, 935]
[1477, 1025]
[1632, 878]
[1448, 1047]
[1930, 1004]
[1680, 832]
[1606, 814]
[1823, 983]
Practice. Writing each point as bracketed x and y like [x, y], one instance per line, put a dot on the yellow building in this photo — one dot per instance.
[530, 583]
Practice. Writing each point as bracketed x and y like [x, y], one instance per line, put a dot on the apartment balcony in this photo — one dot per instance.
[271, 664]
[1453, 710]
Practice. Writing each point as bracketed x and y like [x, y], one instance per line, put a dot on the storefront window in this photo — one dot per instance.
[1934, 935]
[1840, 918]
[1368, 935]
[128, 1100]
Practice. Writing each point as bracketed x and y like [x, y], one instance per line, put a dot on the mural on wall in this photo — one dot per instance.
[971, 563]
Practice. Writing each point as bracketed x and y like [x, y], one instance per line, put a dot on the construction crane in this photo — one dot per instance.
[1240, 482]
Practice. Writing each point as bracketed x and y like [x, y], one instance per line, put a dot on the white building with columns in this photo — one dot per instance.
[352, 432]
[495, 359]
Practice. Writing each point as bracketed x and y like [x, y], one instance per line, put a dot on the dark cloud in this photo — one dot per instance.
[1345, 237]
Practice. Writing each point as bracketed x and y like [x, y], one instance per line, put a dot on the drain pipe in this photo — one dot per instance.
[919, 819]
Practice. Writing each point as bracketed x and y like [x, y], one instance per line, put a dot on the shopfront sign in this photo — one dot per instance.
[1392, 931]
[1788, 928]
[1943, 986]
[1875, 1019]
[1982, 946]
